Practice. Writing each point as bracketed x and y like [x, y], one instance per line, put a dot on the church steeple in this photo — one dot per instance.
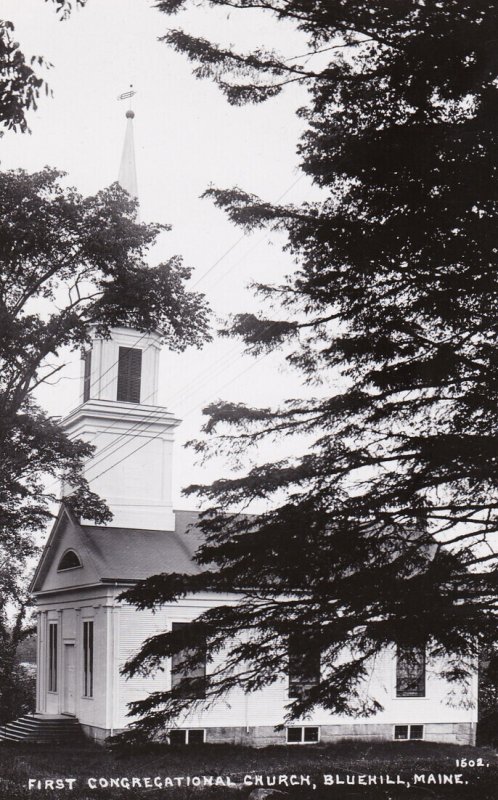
[127, 169]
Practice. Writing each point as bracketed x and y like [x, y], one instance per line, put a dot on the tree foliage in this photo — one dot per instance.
[17, 684]
[20, 81]
[387, 531]
[69, 265]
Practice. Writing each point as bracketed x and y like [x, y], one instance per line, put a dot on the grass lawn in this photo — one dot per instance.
[238, 772]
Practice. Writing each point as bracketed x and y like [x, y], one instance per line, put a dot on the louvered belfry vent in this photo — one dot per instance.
[129, 374]
[87, 360]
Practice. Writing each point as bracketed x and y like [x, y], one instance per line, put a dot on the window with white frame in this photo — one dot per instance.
[52, 656]
[410, 672]
[192, 680]
[304, 664]
[403, 733]
[192, 736]
[88, 658]
[297, 734]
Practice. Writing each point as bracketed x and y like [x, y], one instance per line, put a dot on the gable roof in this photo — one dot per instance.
[121, 554]
[135, 554]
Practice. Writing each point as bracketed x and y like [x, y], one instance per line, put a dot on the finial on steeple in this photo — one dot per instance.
[127, 170]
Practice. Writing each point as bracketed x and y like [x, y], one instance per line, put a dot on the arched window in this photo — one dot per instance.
[69, 560]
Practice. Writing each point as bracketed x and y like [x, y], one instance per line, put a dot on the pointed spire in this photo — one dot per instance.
[127, 170]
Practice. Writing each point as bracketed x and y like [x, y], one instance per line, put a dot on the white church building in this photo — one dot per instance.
[86, 634]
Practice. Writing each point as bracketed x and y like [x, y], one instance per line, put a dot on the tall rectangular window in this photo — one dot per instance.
[304, 664]
[129, 374]
[193, 680]
[88, 659]
[52, 656]
[410, 672]
[87, 365]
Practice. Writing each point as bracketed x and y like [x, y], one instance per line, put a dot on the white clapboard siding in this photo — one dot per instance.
[268, 706]
[134, 628]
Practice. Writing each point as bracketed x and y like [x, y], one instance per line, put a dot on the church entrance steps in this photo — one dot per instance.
[41, 730]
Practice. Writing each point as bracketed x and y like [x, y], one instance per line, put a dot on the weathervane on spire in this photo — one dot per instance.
[127, 96]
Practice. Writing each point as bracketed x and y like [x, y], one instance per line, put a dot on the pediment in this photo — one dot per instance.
[67, 560]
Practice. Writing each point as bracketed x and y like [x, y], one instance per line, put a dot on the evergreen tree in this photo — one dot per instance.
[386, 536]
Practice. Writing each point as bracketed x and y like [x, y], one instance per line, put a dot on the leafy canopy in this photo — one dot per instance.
[69, 265]
[20, 81]
[17, 684]
[387, 531]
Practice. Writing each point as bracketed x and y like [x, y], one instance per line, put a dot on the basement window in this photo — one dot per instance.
[302, 735]
[179, 736]
[69, 560]
[403, 733]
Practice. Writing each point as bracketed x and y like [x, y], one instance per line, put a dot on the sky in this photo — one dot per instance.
[187, 137]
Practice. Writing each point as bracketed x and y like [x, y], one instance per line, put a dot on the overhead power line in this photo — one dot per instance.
[190, 411]
[111, 446]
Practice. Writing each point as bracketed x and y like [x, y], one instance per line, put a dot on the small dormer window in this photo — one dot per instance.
[129, 374]
[70, 560]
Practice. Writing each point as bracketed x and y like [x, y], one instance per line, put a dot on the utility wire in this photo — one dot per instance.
[224, 359]
[244, 235]
[190, 411]
[204, 275]
[114, 445]
[114, 363]
[222, 362]
[142, 426]
[138, 430]
[201, 277]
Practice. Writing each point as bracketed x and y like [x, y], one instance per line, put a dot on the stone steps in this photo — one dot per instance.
[41, 730]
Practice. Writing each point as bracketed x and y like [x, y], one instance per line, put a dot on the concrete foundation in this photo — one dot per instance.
[98, 735]
[264, 736]
[463, 733]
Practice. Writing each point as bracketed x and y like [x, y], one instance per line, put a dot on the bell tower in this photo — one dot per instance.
[131, 467]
